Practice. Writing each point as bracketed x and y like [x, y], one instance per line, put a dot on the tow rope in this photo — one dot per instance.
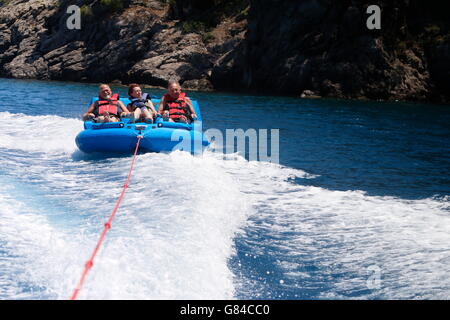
[90, 262]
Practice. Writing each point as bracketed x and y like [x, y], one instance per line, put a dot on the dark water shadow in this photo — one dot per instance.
[79, 155]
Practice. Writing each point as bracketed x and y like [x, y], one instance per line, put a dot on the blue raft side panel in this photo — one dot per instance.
[162, 136]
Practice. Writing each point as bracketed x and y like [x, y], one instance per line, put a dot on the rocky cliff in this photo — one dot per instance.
[326, 47]
[314, 47]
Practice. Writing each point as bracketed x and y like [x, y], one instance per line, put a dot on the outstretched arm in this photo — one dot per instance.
[124, 109]
[191, 107]
[89, 115]
[150, 106]
[161, 106]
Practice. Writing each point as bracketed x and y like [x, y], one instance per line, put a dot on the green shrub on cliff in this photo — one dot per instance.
[113, 5]
[86, 11]
[91, 8]
[433, 29]
[193, 26]
[208, 37]
[204, 14]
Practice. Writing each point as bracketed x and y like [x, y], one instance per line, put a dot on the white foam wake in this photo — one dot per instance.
[38, 133]
[181, 217]
[352, 245]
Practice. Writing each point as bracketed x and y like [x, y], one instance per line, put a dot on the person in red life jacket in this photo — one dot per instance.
[108, 107]
[175, 106]
[141, 106]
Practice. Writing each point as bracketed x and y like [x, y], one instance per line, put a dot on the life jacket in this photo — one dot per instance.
[108, 105]
[177, 108]
[138, 102]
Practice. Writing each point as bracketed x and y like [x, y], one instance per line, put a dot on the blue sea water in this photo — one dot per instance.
[358, 206]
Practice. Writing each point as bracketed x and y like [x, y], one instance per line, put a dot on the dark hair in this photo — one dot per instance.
[131, 88]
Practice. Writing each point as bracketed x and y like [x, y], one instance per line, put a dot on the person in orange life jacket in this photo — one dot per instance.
[108, 107]
[175, 106]
[141, 106]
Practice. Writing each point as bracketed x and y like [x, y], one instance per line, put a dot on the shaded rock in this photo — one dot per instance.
[309, 94]
[198, 84]
[311, 47]
[326, 47]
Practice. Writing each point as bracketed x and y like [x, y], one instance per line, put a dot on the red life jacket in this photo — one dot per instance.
[108, 105]
[177, 108]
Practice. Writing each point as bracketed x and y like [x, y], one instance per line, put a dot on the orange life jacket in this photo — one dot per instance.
[107, 105]
[177, 108]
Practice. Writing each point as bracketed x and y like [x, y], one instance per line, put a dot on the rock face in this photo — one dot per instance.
[137, 44]
[20, 39]
[306, 48]
[326, 47]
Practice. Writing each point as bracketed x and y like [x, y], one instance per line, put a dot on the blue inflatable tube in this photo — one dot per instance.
[161, 136]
